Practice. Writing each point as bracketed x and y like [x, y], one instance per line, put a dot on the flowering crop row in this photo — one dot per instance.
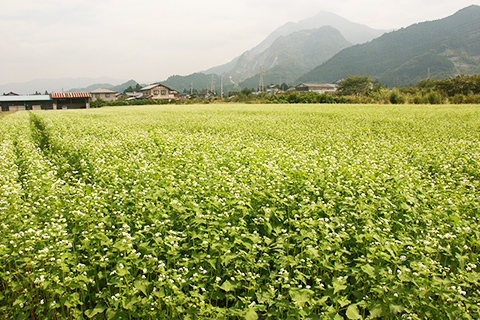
[241, 212]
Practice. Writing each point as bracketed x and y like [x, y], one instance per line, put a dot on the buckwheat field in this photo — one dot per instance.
[241, 212]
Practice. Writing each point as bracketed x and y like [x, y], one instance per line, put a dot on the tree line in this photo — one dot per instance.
[462, 89]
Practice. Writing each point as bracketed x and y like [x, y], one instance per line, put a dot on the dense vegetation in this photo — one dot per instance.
[463, 89]
[241, 212]
[436, 49]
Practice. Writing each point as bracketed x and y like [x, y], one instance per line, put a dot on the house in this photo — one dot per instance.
[316, 87]
[184, 96]
[104, 94]
[205, 94]
[133, 95]
[158, 91]
[71, 100]
[17, 102]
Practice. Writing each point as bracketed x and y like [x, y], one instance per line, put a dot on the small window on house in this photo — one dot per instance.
[155, 92]
[107, 95]
[97, 95]
[164, 92]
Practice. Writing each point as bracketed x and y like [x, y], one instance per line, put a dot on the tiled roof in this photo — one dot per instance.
[71, 95]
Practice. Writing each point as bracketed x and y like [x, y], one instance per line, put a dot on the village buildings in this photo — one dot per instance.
[316, 87]
[52, 101]
[104, 94]
[158, 91]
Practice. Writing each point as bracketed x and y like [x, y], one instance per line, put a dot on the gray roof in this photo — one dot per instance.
[32, 98]
[103, 90]
[156, 85]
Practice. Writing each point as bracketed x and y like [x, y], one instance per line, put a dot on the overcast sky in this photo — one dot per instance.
[152, 39]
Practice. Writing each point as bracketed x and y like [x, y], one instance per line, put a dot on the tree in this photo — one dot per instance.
[246, 91]
[354, 85]
[135, 88]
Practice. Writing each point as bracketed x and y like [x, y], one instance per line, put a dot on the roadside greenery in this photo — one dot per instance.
[241, 212]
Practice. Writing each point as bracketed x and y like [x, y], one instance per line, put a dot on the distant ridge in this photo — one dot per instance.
[288, 57]
[353, 32]
[435, 49]
[118, 88]
[242, 70]
[54, 85]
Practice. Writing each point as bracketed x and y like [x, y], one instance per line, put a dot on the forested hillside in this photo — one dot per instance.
[435, 49]
[291, 56]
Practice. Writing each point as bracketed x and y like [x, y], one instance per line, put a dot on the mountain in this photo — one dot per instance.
[352, 32]
[199, 81]
[288, 57]
[435, 49]
[54, 85]
[118, 88]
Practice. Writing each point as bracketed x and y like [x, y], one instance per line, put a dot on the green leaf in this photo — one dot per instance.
[141, 286]
[338, 286]
[99, 308]
[343, 301]
[395, 308]
[313, 252]
[263, 297]
[227, 286]
[251, 314]
[20, 300]
[352, 312]
[111, 313]
[301, 295]
[376, 311]
[131, 304]
[462, 260]
[338, 317]
[368, 269]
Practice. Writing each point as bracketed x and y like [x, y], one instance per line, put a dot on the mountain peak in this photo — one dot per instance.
[437, 49]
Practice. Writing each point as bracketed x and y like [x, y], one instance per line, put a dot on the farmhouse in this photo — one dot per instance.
[104, 94]
[205, 94]
[133, 95]
[71, 100]
[17, 102]
[316, 87]
[158, 91]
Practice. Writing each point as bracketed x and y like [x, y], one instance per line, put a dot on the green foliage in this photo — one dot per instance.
[460, 85]
[133, 88]
[199, 80]
[355, 85]
[241, 212]
[436, 49]
[98, 103]
[353, 89]
[396, 97]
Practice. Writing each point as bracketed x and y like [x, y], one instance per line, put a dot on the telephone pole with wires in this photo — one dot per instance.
[261, 84]
[213, 83]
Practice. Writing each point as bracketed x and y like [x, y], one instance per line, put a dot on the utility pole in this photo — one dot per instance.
[221, 87]
[213, 83]
[261, 85]
[191, 88]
